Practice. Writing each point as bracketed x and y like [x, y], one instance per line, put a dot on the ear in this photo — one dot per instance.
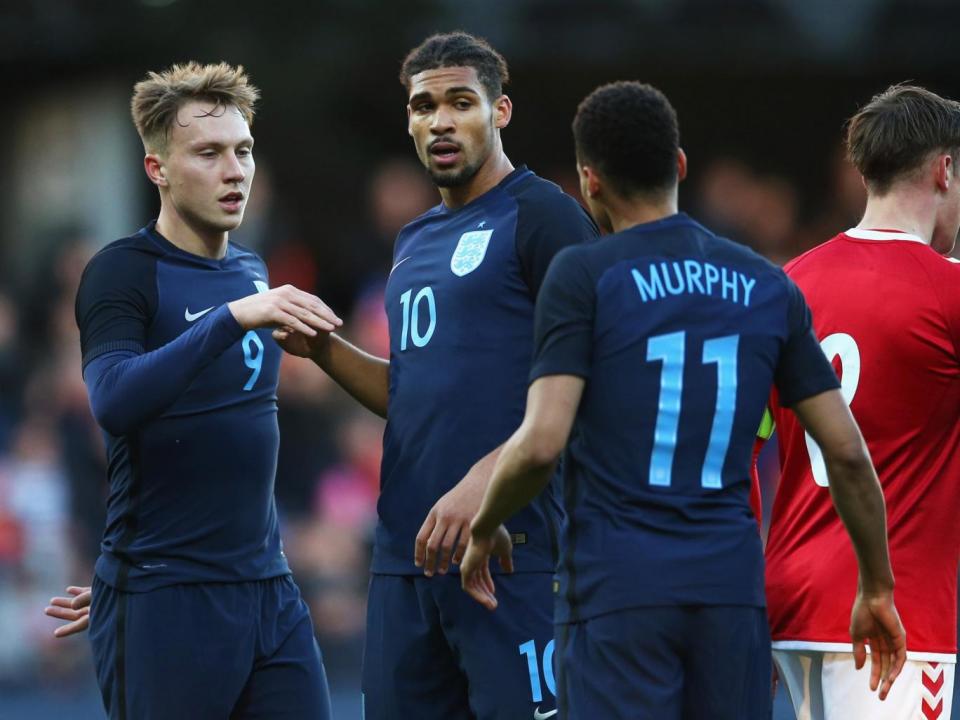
[681, 165]
[943, 172]
[409, 121]
[156, 173]
[502, 112]
[590, 180]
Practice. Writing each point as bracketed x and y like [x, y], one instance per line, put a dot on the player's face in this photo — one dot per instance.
[208, 166]
[452, 122]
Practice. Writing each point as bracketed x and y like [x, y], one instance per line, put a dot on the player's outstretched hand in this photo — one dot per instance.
[288, 307]
[445, 531]
[299, 344]
[875, 621]
[475, 577]
[75, 609]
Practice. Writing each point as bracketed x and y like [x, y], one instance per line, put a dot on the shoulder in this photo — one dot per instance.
[541, 200]
[430, 216]
[126, 260]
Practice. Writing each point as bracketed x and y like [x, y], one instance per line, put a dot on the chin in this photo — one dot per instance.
[454, 177]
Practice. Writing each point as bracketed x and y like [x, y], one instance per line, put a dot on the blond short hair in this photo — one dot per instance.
[158, 97]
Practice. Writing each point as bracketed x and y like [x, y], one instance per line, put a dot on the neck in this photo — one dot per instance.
[626, 212]
[496, 167]
[208, 244]
[902, 209]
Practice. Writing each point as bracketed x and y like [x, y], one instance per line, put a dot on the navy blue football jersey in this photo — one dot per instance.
[680, 335]
[187, 401]
[460, 302]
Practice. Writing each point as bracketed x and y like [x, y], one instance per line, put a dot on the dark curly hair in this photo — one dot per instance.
[628, 131]
[458, 49]
[897, 130]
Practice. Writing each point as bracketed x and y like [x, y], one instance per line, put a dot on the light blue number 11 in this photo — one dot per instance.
[669, 349]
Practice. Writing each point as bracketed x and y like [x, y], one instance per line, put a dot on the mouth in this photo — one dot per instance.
[231, 202]
[444, 152]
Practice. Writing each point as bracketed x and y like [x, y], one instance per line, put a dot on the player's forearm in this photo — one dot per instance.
[127, 389]
[518, 477]
[364, 376]
[858, 499]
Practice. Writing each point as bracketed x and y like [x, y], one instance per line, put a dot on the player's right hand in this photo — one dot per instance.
[875, 621]
[75, 609]
[475, 576]
[285, 306]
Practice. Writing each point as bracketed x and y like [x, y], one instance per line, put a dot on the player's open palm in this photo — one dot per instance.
[299, 344]
[475, 577]
[75, 609]
[287, 307]
[875, 622]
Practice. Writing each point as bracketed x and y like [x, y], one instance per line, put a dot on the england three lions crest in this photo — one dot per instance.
[470, 251]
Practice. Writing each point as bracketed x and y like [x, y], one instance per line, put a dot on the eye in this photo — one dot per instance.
[244, 152]
[463, 104]
[423, 108]
[208, 153]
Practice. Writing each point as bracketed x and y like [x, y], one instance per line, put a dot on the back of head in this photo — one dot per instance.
[898, 130]
[628, 132]
[458, 49]
[157, 98]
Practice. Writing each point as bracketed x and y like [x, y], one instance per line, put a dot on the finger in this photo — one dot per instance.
[77, 590]
[325, 321]
[420, 545]
[61, 613]
[433, 547]
[296, 325]
[72, 628]
[487, 579]
[63, 602]
[454, 536]
[280, 334]
[859, 654]
[506, 560]
[482, 596]
[462, 544]
[886, 655]
[875, 663]
[82, 600]
[896, 666]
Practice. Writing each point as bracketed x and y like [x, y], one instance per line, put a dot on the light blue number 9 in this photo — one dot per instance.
[251, 360]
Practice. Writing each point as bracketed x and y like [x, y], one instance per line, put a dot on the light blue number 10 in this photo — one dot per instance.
[669, 349]
[529, 648]
[411, 317]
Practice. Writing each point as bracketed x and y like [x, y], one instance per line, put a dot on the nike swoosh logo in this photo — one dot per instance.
[537, 715]
[400, 263]
[190, 317]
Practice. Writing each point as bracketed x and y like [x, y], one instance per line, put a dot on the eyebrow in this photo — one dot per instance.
[220, 144]
[459, 90]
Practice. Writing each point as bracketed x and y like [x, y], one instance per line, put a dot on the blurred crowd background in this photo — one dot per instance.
[762, 88]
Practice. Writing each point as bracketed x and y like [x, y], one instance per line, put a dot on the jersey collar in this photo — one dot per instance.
[860, 234]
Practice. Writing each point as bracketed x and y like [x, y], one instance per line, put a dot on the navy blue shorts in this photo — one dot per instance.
[432, 652]
[208, 651]
[667, 663]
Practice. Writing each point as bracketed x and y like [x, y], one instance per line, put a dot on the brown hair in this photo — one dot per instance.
[158, 97]
[893, 134]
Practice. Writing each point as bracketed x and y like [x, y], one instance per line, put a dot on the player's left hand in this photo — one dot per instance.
[875, 621]
[475, 577]
[445, 532]
[75, 609]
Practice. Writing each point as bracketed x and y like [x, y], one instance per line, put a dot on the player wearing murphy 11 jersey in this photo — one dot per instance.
[194, 613]
[655, 351]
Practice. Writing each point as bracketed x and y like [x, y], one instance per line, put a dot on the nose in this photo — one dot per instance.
[233, 171]
[442, 121]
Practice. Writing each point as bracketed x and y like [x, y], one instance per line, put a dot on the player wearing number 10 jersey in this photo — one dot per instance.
[886, 308]
[656, 348]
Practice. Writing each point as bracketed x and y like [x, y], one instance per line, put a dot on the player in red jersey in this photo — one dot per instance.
[886, 309]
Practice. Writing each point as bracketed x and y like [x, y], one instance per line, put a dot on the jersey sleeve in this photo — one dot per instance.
[563, 329]
[116, 301]
[545, 226]
[802, 370]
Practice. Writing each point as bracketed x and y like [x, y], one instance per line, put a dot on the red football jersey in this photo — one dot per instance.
[886, 309]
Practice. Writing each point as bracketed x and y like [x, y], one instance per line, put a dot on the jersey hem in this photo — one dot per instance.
[847, 648]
